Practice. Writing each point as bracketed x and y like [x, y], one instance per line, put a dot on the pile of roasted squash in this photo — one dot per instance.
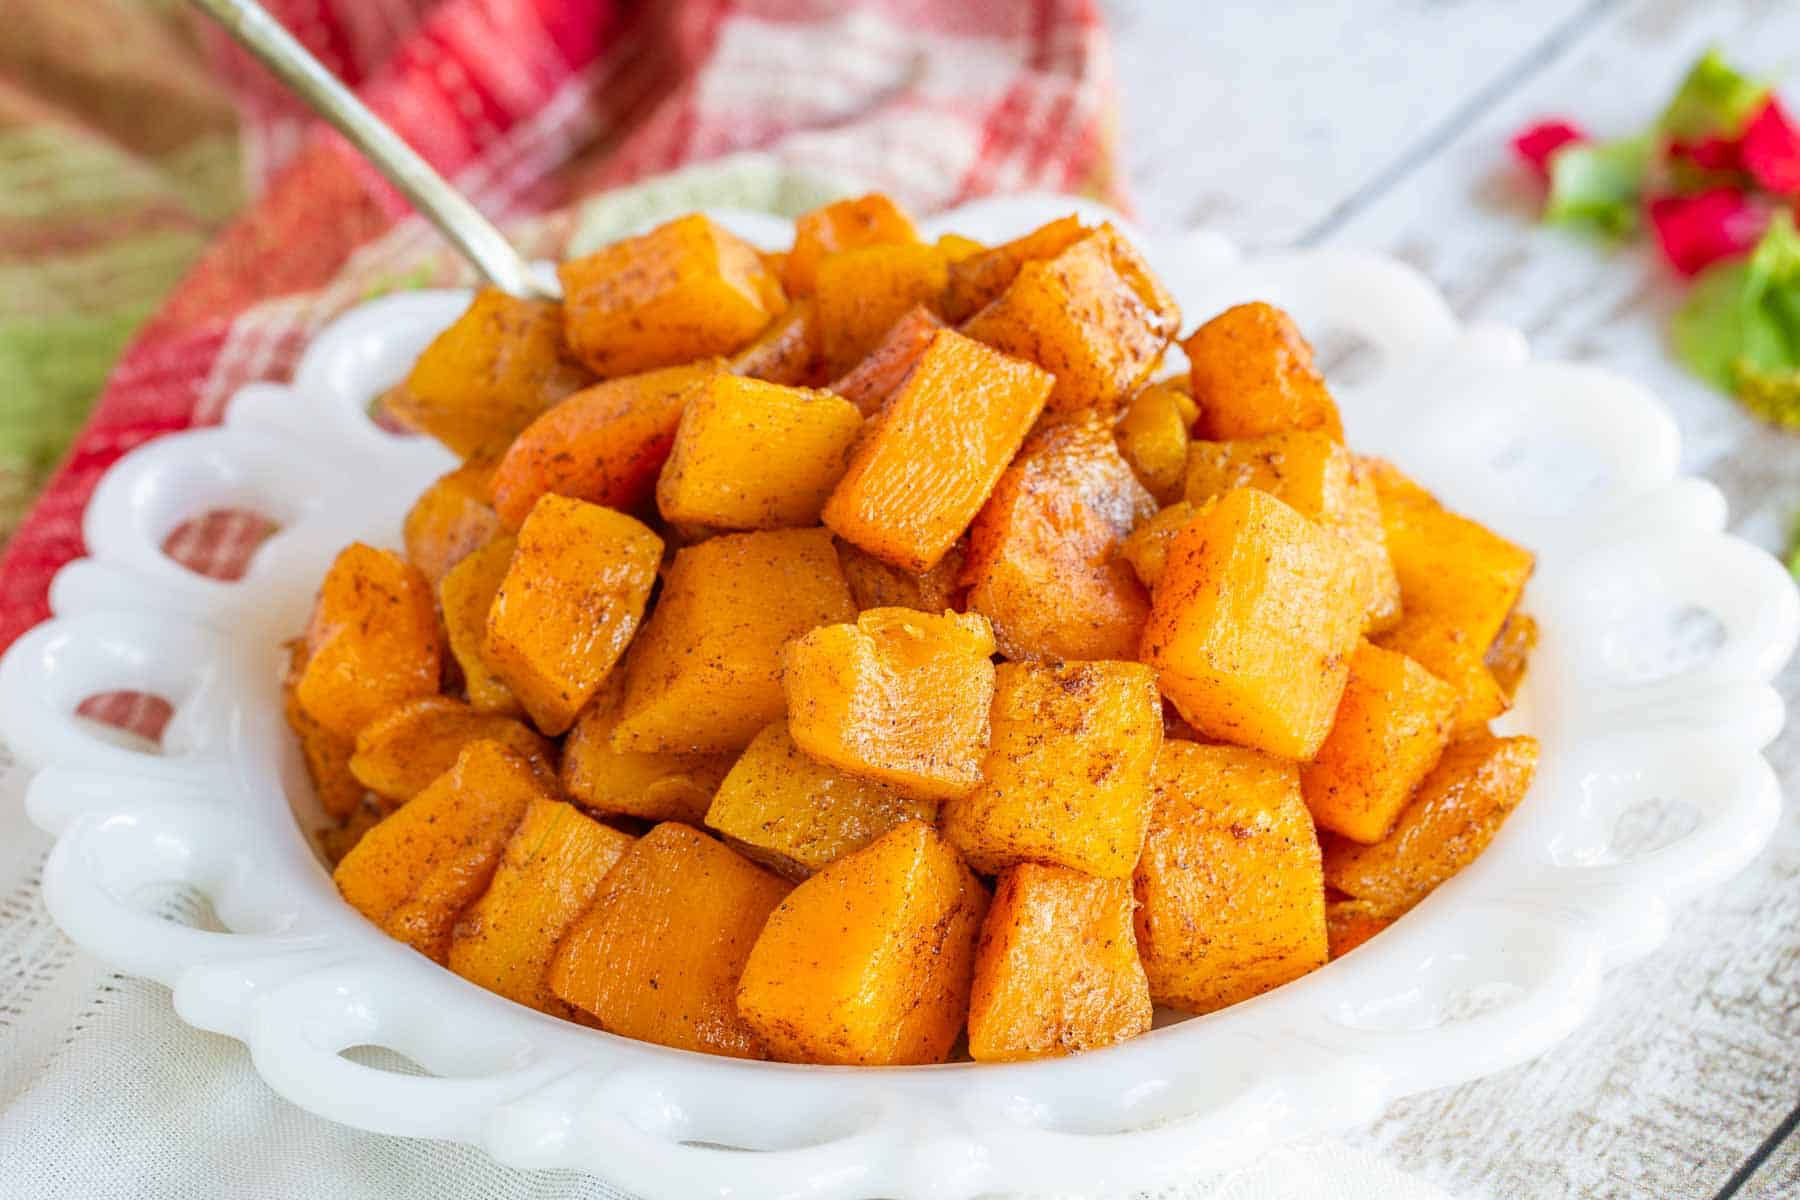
[822, 655]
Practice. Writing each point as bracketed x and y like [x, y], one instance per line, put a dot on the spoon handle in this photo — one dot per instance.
[444, 206]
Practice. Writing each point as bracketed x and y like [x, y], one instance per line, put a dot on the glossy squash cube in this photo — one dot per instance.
[870, 382]
[1252, 374]
[1147, 549]
[372, 641]
[325, 752]
[862, 292]
[403, 750]
[465, 597]
[652, 786]
[1153, 437]
[979, 276]
[872, 220]
[787, 351]
[451, 519]
[876, 584]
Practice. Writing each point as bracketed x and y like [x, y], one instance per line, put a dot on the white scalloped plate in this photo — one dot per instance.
[1650, 686]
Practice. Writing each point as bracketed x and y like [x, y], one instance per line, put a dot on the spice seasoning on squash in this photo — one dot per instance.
[875, 584]
[451, 520]
[977, 279]
[325, 752]
[651, 786]
[870, 382]
[1252, 374]
[1147, 549]
[872, 220]
[862, 292]
[403, 750]
[788, 351]
[465, 596]
[373, 640]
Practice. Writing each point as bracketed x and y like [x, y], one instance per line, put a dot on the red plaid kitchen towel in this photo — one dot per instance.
[531, 104]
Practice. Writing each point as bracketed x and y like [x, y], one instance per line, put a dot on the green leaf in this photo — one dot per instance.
[1597, 185]
[1793, 554]
[1740, 326]
[1715, 100]
[1709, 328]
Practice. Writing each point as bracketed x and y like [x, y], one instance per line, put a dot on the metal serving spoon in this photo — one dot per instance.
[444, 206]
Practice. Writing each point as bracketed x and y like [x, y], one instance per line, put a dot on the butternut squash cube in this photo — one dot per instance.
[450, 520]
[658, 955]
[875, 584]
[977, 279]
[795, 815]
[325, 753]
[788, 351]
[605, 444]
[632, 783]
[868, 962]
[1252, 374]
[1056, 968]
[415, 872]
[926, 463]
[705, 676]
[755, 455]
[1153, 437]
[870, 382]
[1230, 898]
[403, 750]
[372, 642]
[486, 377]
[1093, 316]
[549, 874]
[1044, 562]
[1508, 657]
[1391, 726]
[1147, 549]
[1067, 777]
[572, 597]
[1253, 623]
[1350, 923]
[862, 292]
[900, 697]
[1450, 820]
[872, 220]
[465, 596]
[685, 290]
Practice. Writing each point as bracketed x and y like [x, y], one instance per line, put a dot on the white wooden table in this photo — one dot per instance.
[1383, 123]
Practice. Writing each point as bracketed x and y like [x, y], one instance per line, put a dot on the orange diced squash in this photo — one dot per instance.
[372, 642]
[788, 351]
[1067, 776]
[451, 519]
[755, 455]
[335, 841]
[1350, 923]
[1044, 562]
[549, 874]
[465, 596]
[977, 279]
[705, 675]
[325, 753]
[956, 247]
[417, 871]
[659, 954]
[685, 290]
[870, 382]
[1252, 374]
[1253, 623]
[927, 462]
[572, 597]
[403, 750]
[872, 220]
[795, 814]
[1508, 657]
[1230, 898]
[1147, 549]
[900, 697]
[1153, 437]
[1391, 726]
[875, 584]
[1056, 968]
[486, 377]
[651, 786]
[868, 962]
[862, 292]
[1451, 819]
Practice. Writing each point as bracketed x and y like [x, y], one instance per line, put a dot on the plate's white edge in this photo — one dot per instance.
[301, 976]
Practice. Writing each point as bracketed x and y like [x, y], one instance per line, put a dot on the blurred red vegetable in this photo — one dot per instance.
[1540, 141]
[1699, 230]
[1771, 151]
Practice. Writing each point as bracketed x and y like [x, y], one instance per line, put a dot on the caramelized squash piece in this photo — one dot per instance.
[1147, 549]
[1350, 923]
[795, 814]
[875, 584]
[1252, 374]
[1044, 562]
[685, 290]
[977, 279]
[465, 596]
[659, 954]
[604, 444]
[572, 597]
[451, 520]
[1067, 776]
[861, 293]
[335, 841]
[1253, 623]
[1230, 898]
[1391, 726]
[325, 753]
[900, 697]
[870, 382]
[956, 247]
[632, 783]
[868, 962]
[705, 675]
[415, 873]
[486, 377]
[1153, 437]
[788, 351]
[1508, 657]
[872, 220]
[403, 750]
[548, 876]
[927, 462]
[1056, 969]
[754, 455]
[1451, 819]
[1093, 316]
[372, 642]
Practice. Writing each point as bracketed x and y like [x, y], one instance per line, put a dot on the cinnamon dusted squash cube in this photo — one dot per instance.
[486, 377]
[1450, 820]
[685, 290]
[1067, 776]
[1056, 969]
[325, 753]
[755, 455]
[451, 519]
[549, 874]
[1253, 623]
[1252, 374]
[605, 444]
[1230, 898]
[633, 783]
[658, 955]
[1350, 923]
[415, 872]
[977, 278]
[1093, 316]
[572, 597]
[900, 697]
[705, 675]
[872, 220]
[868, 962]
[1391, 726]
[372, 642]
[908, 496]
[862, 292]
[465, 597]
[403, 750]
[1147, 549]
[795, 814]
[870, 382]
[788, 351]
[1044, 561]
[876, 584]
[1153, 437]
